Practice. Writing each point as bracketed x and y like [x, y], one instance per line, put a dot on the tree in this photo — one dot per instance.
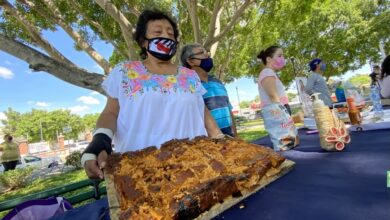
[89, 121]
[344, 33]
[112, 21]
[360, 80]
[245, 104]
[51, 123]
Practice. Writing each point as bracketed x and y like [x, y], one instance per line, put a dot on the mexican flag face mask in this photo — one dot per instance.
[162, 48]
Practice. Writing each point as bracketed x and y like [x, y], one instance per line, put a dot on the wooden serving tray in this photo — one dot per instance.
[218, 208]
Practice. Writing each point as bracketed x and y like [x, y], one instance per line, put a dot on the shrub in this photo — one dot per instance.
[17, 178]
[74, 159]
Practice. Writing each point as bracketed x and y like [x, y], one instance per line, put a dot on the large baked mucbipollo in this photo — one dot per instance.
[184, 179]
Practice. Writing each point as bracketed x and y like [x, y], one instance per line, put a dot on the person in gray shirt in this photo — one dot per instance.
[316, 82]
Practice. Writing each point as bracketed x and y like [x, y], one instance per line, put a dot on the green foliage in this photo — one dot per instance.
[17, 178]
[360, 80]
[291, 95]
[252, 134]
[74, 159]
[251, 123]
[89, 121]
[53, 123]
[245, 104]
[42, 184]
[345, 34]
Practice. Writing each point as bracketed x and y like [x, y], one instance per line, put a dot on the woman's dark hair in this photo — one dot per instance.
[269, 52]
[385, 67]
[142, 24]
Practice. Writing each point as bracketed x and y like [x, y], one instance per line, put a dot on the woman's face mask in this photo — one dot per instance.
[162, 48]
[279, 63]
[323, 67]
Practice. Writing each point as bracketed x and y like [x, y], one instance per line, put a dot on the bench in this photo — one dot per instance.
[95, 193]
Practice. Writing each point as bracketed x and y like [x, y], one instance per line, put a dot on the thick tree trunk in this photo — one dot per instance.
[215, 25]
[41, 62]
[191, 5]
[212, 39]
[217, 30]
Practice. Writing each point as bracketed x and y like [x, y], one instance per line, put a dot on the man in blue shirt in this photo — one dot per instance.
[196, 57]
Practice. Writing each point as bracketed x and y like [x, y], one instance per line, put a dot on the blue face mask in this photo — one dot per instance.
[206, 64]
[323, 67]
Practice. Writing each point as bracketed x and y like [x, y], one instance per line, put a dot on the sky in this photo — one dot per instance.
[24, 90]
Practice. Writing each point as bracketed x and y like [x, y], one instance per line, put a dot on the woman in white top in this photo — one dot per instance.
[384, 81]
[274, 101]
[149, 102]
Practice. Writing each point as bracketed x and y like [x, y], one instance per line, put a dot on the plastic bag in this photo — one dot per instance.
[39, 209]
[279, 126]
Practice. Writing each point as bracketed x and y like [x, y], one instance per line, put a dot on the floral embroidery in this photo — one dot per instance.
[172, 79]
[132, 74]
[137, 80]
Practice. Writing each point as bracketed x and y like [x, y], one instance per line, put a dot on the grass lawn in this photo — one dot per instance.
[252, 123]
[252, 134]
[39, 185]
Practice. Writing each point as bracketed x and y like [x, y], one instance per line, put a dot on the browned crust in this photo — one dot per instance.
[185, 178]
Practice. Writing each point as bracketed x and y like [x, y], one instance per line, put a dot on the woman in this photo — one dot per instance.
[10, 154]
[151, 101]
[384, 81]
[274, 101]
[316, 82]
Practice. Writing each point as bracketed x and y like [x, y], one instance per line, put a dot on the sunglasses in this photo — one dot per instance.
[205, 52]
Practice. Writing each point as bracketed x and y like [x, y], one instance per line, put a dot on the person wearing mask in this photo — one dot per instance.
[150, 101]
[196, 57]
[375, 75]
[10, 153]
[274, 101]
[316, 82]
[384, 80]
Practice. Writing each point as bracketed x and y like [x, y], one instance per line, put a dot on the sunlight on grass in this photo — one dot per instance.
[39, 184]
[252, 122]
[252, 134]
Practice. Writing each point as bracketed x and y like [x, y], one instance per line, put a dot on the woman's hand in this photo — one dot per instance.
[95, 155]
[94, 168]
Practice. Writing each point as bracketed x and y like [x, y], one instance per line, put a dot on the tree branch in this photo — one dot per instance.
[75, 5]
[132, 10]
[41, 62]
[124, 24]
[34, 33]
[232, 22]
[205, 9]
[99, 59]
[214, 20]
[191, 5]
[58, 19]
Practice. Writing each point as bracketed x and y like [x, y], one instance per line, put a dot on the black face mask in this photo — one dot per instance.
[162, 48]
[206, 64]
